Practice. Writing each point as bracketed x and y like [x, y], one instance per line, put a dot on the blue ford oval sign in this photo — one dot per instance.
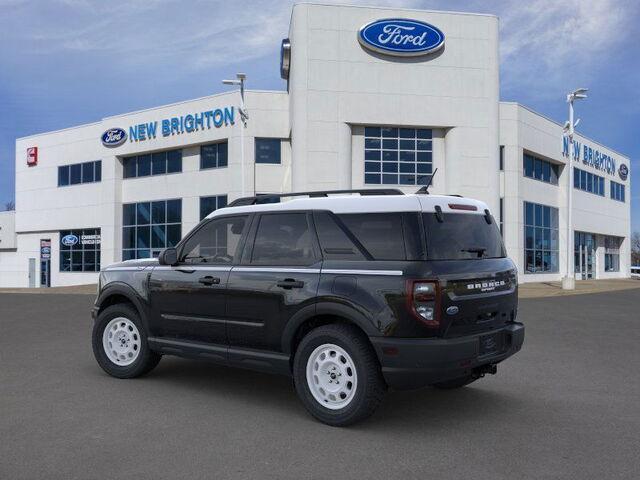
[401, 37]
[114, 137]
[69, 240]
[623, 171]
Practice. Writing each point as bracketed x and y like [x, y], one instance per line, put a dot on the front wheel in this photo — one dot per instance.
[337, 375]
[120, 343]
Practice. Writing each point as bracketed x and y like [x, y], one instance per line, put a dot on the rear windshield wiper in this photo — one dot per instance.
[479, 250]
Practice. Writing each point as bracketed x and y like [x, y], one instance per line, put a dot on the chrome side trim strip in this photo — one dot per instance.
[394, 273]
[203, 268]
[275, 270]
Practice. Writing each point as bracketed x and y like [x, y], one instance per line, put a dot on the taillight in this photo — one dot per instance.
[424, 301]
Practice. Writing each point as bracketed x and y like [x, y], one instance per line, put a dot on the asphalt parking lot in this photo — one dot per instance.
[567, 406]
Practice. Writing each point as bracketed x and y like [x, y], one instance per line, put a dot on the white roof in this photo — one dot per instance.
[363, 204]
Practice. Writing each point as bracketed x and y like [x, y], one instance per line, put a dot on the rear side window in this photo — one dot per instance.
[462, 236]
[283, 239]
[336, 241]
[386, 236]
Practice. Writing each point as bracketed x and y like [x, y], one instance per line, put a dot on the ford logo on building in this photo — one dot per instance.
[401, 37]
[623, 171]
[69, 240]
[114, 137]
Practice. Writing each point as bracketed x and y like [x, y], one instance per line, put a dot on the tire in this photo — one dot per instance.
[128, 340]
[348, 358]
[455, 383]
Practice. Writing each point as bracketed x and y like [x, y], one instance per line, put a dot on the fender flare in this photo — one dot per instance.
[127, 291]
[326, 308]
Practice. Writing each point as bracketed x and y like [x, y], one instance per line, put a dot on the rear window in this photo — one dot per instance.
[462, 236]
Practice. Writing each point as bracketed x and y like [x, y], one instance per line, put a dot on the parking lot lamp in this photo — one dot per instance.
[244, 116]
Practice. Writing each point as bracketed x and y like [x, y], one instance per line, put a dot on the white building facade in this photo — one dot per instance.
[356, 114]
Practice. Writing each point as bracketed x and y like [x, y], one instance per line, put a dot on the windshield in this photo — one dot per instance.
[462, 236]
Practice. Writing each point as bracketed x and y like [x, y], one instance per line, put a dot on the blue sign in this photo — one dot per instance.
[401, 37]
[114, 137]
[69, 240]
[623, 171]
[589, 156]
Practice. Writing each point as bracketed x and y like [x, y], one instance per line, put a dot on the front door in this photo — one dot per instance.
[279, 275]
[585, 245]
[189, 299]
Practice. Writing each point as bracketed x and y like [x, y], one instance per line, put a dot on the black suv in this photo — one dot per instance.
[346, 294]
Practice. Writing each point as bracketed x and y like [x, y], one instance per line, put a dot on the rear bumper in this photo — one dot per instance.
[413, 363]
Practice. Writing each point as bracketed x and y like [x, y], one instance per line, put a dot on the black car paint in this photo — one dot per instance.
[251, 315]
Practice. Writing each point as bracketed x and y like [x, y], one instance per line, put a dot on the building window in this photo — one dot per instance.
[88, 172]
[540, 238]
[612, 254]
[149, 227]
[268, 150]
[540, 169]
[214, 155]
[617, 191]
[80, 250]
[397, 156]
[159, 163]
[588, 182]
[209, 204]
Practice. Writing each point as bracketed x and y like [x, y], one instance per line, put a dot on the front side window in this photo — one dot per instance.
[150, 227]
[215, 243]
[87, 172]
[540, 169]
[397, 156]
[213, 155]
[268, 150]
[210, 204]
[541, 240]
[80, 250]
[283, 239]
[159, 163]
[460, 236]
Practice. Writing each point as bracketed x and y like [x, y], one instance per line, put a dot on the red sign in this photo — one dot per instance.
[32, 156]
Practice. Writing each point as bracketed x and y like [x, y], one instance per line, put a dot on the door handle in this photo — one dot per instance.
[289, 283]
[209, 280]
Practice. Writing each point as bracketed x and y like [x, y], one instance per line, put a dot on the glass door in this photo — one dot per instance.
[584, 255]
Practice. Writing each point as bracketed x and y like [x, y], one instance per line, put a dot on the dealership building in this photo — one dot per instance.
[375, 97]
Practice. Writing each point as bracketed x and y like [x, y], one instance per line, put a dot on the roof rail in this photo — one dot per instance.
[270, 197]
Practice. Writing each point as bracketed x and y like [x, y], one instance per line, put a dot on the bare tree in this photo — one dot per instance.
[635, 248]
[11, 205]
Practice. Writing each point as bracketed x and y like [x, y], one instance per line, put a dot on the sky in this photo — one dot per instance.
[68, 62]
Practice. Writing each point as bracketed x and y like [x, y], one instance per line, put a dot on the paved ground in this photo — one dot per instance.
[566, 407]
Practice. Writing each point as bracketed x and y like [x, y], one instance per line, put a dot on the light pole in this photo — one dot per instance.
[569, 281]
[244, 116]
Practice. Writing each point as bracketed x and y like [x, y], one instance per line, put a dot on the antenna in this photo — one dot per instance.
[425, 190]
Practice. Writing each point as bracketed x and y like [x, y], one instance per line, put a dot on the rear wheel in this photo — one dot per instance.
[337, 375]
[120, 343]
[455, 383]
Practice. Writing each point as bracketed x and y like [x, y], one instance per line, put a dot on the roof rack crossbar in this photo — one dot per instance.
[268, 197]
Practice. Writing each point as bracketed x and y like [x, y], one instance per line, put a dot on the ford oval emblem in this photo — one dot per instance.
[401, 37]
[452, 310]
[69, 240]
[623, 171]
[114, 137]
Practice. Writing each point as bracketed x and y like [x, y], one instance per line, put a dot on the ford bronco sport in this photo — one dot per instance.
[348, 295]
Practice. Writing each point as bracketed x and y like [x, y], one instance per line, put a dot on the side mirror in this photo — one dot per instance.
[169, 256]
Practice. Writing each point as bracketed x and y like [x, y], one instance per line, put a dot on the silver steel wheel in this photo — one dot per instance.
[121, 341]
[331, 376]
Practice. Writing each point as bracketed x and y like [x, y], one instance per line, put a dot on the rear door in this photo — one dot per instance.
[189, 299]
[278, 276]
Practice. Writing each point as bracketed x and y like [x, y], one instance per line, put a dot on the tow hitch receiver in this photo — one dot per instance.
[483, 370]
